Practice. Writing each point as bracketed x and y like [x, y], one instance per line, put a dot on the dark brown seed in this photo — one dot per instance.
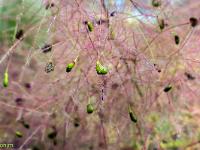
[161, 23]
[176, 39]
[19, 34]
[19, 101]
[101, 21]
[85, 22]
[27, 85]
[167, 88]
[193, 21]
[159, 70]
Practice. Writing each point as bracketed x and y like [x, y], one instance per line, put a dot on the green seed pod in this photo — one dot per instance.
[156, 3]
[90, 26]
[176, 39]
[101, 70]
[167, 88]
[132, 116]
[5, 79]
[18, 134]
[70, 66]
[90, 108]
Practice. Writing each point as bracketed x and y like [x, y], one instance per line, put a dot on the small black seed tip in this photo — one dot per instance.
[46, 48]
[159, 70]
[26, 126]
[76, 122]
[19, 34]
[85, 22]
[193, 22]
[68, 70]
[69, 67]
[189, 76]
[52, 135]
[167, 88]
[176, 39]
[55, 142]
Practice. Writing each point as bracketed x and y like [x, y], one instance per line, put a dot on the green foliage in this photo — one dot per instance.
[16, 15]
[173, 144]
[163, 127]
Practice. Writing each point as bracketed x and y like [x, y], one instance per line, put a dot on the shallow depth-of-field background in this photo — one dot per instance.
[152, 54]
